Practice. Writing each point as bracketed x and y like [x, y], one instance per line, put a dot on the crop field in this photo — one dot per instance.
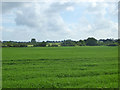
[60, 67]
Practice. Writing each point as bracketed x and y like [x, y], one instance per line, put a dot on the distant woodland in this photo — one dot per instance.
[86, 42]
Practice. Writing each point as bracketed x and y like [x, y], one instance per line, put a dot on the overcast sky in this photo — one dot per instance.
[60, 20]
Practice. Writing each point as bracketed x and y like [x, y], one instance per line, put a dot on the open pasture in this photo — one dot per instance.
[60, 67]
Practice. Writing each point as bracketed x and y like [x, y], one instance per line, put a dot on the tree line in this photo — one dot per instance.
[86, 42]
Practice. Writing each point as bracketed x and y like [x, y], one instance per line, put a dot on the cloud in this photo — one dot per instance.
[99, 9]
[70, 8]
[40, 18]
[36, 19]
[8, 6]
[43, 21]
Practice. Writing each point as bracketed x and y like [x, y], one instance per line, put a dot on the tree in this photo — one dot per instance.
[118, 41]
[91, 41]
[33, 41]
[0, 43]
[81, 43]
[9, 43]
[68, 43]
[40, 44]
[43, 44]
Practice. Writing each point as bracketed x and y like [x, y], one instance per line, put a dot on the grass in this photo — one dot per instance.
[60, 67]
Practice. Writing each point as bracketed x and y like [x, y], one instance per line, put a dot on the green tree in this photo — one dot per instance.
[91, 41]
[81, 43]
[68, 43]
[33, 40]
[40, 44]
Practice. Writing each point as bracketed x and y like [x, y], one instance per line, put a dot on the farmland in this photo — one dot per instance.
[60, 67]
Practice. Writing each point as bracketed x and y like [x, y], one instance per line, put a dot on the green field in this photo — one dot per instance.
[60, 67]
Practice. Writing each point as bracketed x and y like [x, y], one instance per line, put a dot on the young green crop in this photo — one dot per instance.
[60, 67]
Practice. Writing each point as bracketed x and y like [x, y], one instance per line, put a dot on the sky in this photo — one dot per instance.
[59, 20]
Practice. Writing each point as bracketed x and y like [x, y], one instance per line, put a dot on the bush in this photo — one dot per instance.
[113, 44]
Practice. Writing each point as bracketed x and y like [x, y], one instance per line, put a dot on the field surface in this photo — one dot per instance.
[60, 67]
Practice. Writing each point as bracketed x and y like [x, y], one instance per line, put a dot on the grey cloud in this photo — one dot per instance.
[26, 17]
[40, 19]
[8, 6]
